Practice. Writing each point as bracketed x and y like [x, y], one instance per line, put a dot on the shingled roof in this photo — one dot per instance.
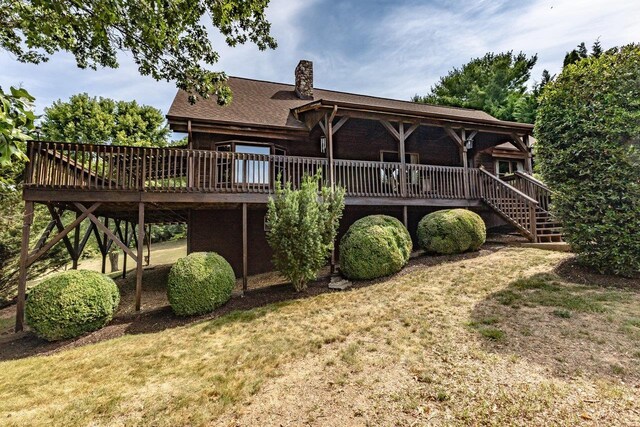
[269, 104]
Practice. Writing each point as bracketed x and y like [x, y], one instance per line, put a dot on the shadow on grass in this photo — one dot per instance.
[570, 328]
[253, 304]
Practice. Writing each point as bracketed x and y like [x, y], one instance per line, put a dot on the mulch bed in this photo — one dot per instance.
[574, 272]
[157, 315]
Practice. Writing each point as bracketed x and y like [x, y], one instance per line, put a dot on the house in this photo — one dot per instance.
[394, 157]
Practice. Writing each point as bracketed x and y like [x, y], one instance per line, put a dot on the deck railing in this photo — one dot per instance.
[531, 186]
[56, 165]
[514, 205]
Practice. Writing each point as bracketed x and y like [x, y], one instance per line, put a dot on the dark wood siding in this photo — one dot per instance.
[220, 230]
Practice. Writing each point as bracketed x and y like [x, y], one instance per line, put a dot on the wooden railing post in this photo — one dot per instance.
[532, 219]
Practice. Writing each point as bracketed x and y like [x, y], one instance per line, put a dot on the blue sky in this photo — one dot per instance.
[390, 48]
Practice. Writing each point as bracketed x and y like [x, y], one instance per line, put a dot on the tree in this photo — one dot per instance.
[102, 120]
[580, 53]
[16, 120]
[588, 131]
[526, 108]
[494, 83]
[302, 228]
[168, 40]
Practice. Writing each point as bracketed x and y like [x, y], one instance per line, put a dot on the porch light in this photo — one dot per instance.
[323, 144]
[469, 143]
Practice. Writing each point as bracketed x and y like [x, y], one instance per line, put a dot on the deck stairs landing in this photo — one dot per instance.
[524, 202]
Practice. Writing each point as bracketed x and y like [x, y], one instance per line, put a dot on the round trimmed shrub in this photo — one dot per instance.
[374, 246]
[199, 283]
[451, 231]
[71, 303]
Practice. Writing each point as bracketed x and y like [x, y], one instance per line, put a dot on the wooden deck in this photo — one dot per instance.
[86, 172]
[170, 181]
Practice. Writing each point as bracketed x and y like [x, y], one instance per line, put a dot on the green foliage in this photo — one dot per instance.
[11, 217]
[199, 283]
[374, 246]
[16, 120]
[494, 83]
[451, 231]
[71, 303]
[168, 40]
[588, 131]
[104, 121]
[302, 228]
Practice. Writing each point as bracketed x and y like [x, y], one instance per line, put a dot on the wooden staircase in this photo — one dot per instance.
[524, 202]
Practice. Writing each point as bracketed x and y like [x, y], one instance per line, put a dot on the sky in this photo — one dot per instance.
[388, 48]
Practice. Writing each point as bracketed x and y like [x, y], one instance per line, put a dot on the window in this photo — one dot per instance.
[252, 169]
[249, 166]
[505, 167]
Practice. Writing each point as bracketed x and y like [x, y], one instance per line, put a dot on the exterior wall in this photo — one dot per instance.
[358, 139]
[220, 230]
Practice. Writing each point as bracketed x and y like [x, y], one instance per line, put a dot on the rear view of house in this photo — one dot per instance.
[395, 157]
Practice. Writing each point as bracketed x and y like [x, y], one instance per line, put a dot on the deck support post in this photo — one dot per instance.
[529, 161]
[24, 254]
[465, 163]
[76, 245]
[245, 259]
[403, 160]
[104, 250]
[126, 241]
[139, 260]
[405, 217]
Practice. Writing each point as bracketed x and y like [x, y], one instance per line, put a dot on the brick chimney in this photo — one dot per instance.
[304, 79]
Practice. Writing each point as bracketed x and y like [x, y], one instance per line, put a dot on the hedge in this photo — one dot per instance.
[451, 231]
[199, 283]
[374, 246]
[71, 303]
[588, 152]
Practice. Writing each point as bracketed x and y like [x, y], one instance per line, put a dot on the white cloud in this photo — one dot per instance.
[384, 48]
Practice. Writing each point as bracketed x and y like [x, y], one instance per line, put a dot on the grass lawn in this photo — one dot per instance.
[493, 338]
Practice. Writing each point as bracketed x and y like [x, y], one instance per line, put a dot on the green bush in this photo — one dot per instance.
[451, 231]
[199, 283]
[588, 132]
[374, 246]
[71, 303]
[302, 228]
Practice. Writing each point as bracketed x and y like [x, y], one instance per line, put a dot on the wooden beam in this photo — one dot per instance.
[108, 232]
[24, 265]
[403, 160]
[405, 216]
[45, 234]
[465, 164]
[391, 129]
[76, 245]
[139, 260]
[126, 241]
[323, 127]
[245, 243]
[104, 250]
[34, 256]
[312, 118]
[85, 239]
[340, 123]
[453, 135]
[529, 161]
[329, 127]
[409, 131]
[55, 214]
[519, 143]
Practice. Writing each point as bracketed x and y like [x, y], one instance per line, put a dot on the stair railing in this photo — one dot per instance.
[514, 205]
